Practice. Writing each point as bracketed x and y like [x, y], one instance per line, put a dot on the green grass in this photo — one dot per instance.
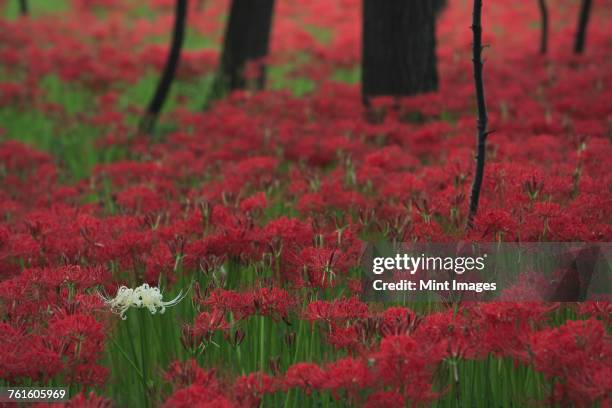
[280, 77]
[72, 145]
[37, 8]
[143, 11]
[72, 98]
[196, 41]
[348, 76]
[193, 40]
[323, 35]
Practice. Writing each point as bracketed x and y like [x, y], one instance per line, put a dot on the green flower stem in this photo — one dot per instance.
[128, 359]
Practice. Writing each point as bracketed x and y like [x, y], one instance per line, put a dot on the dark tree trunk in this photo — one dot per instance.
[247, 36]
[163, 87]
[543, 26]
[399, 48]
[482, 122]
[439, 6]
[23, 7]
[583, 22]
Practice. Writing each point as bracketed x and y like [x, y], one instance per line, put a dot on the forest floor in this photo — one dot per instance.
[257, 209]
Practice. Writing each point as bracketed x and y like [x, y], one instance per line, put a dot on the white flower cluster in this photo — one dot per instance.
[143, 296]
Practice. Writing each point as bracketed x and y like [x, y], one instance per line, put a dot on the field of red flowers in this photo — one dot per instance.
[252, 214]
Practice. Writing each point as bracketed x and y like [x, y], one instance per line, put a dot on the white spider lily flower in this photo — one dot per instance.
[144, 296]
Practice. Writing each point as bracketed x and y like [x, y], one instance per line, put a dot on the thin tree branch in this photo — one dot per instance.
[543, 26]
[148, 121]
[482, 111]
[583, 22]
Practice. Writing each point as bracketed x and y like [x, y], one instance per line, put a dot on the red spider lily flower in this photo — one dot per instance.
[255, 202]
[80, 340]
[207, 323]
[496, 225]
[307, 376]
[24, 355]
[80, 277]
[273, 302]
[340, 310]
[453, 332]
[547, 209]
[130, 249]
[505, 327]
[161, 262]
[140, 199]
[349, 375]
[33, 292]
[289, 230]
[182, 374]
[385, 399]
[196, 387]
[199, 396]
[249, 389]
[598, 309]
[241, 305]
[319, 266]
[408, 366]
[579, 354]
[355, 286]
[397, 321]
[343, 337]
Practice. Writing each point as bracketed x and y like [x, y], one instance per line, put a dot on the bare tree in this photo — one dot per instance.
[150, 117]
[583, 22]
[543, 26]
[482, 123]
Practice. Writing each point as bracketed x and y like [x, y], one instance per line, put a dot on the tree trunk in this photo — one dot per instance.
[482, 122]
[163, 87]
[399, 48]
[583, 22]
[247, 37]
[543, 26]
[439, 6]
[23, 7]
